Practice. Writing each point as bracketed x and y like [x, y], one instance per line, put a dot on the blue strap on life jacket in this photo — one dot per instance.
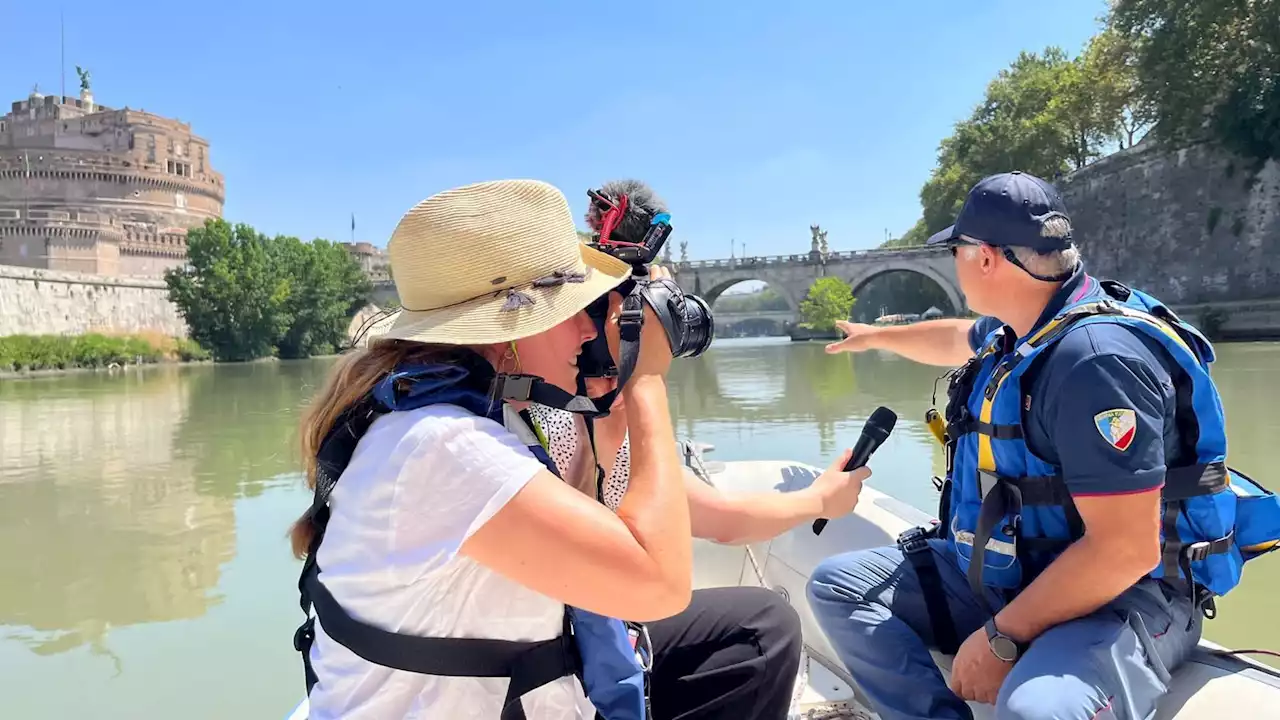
[611, 657]
[1010, 512]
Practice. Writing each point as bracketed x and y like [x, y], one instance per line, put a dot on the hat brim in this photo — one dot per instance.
[943, 236]
[483, 321]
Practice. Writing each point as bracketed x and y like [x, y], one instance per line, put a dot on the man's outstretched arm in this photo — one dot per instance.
[949, 343]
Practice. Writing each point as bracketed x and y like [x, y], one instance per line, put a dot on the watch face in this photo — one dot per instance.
[1004, 648]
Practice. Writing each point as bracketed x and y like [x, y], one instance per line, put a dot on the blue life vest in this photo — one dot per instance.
[1014, 507]
[610, 657]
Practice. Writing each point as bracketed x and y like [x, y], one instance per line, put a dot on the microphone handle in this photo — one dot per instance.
[861, 454]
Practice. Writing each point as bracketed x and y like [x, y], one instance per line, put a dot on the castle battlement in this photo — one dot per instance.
[127, 182]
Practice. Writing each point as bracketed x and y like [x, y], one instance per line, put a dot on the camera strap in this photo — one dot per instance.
[531, 388]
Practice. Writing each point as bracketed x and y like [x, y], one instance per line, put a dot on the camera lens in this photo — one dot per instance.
[699, 328]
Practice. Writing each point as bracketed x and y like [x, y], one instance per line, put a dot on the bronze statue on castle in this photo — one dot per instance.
[84, 79]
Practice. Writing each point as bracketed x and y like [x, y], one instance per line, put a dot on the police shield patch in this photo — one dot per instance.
[1117, 427]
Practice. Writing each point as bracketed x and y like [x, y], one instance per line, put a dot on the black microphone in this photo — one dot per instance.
[875, 432]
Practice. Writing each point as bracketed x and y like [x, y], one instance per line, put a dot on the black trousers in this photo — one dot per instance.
[733, 653]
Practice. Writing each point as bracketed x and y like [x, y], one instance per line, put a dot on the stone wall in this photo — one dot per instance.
[51, 302]
[1191, 226]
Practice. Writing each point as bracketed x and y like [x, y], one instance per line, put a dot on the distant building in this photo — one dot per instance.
[373, 260]
[91, 189]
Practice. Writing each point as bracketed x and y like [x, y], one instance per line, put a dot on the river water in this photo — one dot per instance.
[145, 571]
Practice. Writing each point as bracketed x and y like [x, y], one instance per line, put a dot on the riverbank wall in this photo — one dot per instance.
[1197, 226]
[50, 302]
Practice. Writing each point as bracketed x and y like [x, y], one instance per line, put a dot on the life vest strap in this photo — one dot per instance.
[914, 544]
[998, 499]
[969, 424]
[528, 664]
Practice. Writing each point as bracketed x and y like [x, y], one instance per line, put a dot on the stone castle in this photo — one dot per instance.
[90, 189]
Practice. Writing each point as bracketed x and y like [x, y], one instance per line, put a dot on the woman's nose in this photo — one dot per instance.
[586, 327]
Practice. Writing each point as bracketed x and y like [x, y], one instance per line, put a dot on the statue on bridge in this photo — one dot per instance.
[819, 244]
[684, 251]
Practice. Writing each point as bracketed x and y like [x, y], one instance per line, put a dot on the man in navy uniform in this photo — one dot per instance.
[1039, 576]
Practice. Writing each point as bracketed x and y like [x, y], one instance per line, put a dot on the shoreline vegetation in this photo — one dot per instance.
[37, 355]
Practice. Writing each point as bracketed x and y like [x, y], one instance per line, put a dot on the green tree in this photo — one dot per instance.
[231, 293]
[1210, 68]
[917, 235]
[326, 288]
[1046, 114]
[1023, 123]
[246, 296]
[829, 299]
[1110, 67]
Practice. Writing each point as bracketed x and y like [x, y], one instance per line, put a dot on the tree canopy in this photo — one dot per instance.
[829, 299]
[1196, 69]
[245, 295]
[1208, 68]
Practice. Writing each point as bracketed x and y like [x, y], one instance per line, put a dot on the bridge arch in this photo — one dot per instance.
[715, 291]
[859, 280]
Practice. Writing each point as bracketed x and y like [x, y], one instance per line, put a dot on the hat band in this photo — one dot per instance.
[515, 298]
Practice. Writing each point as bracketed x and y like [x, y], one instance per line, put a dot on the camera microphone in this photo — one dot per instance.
[874, 432]
[629, 221]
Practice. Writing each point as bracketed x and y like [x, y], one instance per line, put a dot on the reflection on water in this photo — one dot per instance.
[118, 509]
[142, 514]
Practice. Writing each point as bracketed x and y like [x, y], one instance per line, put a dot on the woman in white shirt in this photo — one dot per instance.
[442, 515]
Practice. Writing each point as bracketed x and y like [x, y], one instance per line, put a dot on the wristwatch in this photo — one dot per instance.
[1003, 646]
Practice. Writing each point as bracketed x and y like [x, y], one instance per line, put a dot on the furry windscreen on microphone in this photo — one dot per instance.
[642, 204]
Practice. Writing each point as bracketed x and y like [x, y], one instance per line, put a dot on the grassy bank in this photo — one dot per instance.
[67, 352]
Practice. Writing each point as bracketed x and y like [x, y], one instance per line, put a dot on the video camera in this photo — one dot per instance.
[631, 223]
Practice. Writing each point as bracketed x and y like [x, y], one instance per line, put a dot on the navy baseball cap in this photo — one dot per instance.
[1009, 210]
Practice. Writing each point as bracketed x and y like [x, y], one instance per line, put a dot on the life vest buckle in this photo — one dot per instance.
[1197, 551]
[517, 387]
[642, 644]
[916, 539]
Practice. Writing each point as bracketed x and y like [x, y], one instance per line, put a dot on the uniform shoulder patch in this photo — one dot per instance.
[1117, 427]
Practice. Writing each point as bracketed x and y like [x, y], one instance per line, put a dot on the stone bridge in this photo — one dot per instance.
[792, 275]
[779, 316]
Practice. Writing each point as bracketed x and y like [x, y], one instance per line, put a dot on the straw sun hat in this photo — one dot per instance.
[493, 262]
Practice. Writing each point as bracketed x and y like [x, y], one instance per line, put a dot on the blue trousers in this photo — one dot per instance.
[870, 605]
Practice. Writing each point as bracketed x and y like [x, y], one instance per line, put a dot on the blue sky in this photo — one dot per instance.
[752, 119]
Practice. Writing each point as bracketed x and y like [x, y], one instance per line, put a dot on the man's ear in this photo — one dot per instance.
[990, 256]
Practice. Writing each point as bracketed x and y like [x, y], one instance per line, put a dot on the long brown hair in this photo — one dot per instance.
[354, 376]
